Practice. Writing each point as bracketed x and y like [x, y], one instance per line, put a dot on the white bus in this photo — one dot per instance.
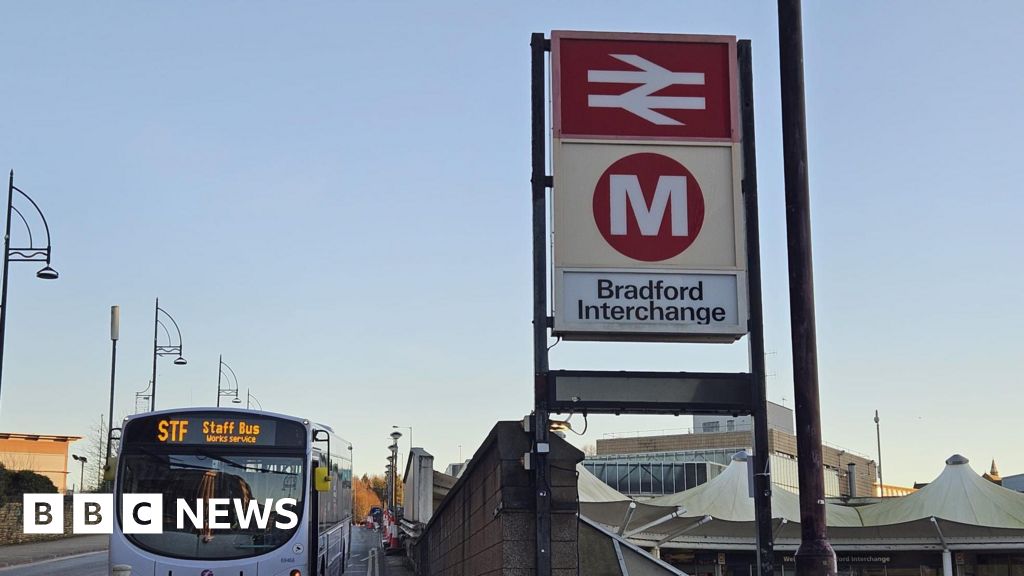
[200, 454]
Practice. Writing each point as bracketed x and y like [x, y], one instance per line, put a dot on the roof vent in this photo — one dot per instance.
[956, 460]
[740, 456]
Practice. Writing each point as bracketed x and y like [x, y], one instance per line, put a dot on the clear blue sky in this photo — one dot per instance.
[335, 196]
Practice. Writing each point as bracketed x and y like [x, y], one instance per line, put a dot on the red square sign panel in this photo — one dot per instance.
[644, 86]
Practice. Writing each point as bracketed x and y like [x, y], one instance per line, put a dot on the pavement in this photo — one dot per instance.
[82, 556]
[395, 566]
[16, 554]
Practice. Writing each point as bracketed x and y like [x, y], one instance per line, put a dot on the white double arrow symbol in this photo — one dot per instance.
[651, 78]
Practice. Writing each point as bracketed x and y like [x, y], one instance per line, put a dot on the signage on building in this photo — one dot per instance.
[648, 219]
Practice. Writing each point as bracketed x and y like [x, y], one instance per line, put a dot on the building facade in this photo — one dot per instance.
[645, 466]
[40, 453]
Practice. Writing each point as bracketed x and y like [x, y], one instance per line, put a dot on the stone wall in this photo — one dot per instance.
[486, 524]
[11, 525]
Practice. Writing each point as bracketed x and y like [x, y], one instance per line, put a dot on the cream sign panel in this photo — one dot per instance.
[646, 206]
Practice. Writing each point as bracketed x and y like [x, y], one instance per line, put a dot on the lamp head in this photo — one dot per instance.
[47, 273]
[236, 400]
[396, 435]
[180, 361]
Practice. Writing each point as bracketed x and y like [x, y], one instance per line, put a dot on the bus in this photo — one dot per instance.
[227, 459]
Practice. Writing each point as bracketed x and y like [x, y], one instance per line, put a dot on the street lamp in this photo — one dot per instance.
[878, 436]
[143, 396]
[387, 484]
[352, 478]
[251, 398]
[115, 324]
[226, 391]
[409, 428]
[394, 470]
[81, 473]
[30, 254]
[170, 349]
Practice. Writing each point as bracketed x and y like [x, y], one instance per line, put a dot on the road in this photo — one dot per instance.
[95, 563]
[91, 564]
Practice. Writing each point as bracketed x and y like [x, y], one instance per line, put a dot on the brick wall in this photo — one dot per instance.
[11, 525]
[673, 442]
[486, 525]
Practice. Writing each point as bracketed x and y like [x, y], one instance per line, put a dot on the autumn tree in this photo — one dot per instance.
[371, 491]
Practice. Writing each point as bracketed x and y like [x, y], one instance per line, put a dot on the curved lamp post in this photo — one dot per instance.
[31, 254]
[170, 349]
[142, 395]
[250, 399]
[226, 391]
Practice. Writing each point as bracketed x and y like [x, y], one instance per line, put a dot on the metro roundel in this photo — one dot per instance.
[648, 207]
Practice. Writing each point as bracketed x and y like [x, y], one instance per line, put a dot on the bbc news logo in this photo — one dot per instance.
[144, 513]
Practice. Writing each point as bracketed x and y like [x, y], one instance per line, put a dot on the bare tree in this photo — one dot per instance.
[96, 450]
[589, 449]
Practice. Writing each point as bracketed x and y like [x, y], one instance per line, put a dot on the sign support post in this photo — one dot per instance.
[762, 476]
[540, 181]
[815, 556]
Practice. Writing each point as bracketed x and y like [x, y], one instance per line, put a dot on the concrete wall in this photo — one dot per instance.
[419, 486]
[486, 524]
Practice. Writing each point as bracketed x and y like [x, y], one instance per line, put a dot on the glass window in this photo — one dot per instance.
[656, 478]
[255, 480]
[679, 476]
[709, 427]
[634, 478]
[691, 475]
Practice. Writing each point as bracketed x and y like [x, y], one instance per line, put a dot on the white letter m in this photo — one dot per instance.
[648, 218]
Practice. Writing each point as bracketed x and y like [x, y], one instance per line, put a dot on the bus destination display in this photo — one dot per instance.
[213, 430]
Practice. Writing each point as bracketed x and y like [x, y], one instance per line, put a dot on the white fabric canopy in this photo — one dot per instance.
[966, 507]
[959, 494]
[727, 497]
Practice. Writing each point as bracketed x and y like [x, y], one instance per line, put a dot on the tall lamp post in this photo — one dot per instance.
[352, 479]
[30, 254]
[394, 470]
[143, 396]
[170, 349]
[251, 398]
[226, 391]
[388, 473]
[81, 473]
[409, 428]
[878, 436]
[115, 323]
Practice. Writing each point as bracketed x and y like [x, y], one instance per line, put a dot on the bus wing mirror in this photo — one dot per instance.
[109, 469]
[322, 479]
